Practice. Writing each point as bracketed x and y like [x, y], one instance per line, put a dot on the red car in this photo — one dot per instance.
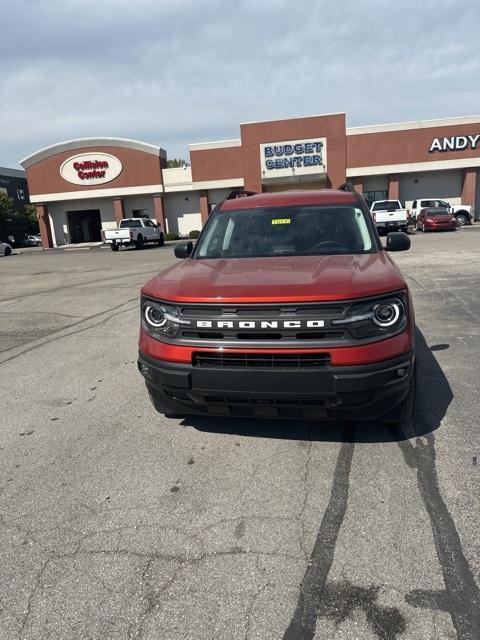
[287, 306]
[436, 218]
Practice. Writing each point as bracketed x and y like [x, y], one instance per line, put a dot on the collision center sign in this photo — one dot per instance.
[91, 168]
[293, 158]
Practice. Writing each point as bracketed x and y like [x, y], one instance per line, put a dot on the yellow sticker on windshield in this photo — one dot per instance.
[281, 221]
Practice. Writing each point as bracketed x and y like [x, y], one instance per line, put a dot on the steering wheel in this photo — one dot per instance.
[328, 243]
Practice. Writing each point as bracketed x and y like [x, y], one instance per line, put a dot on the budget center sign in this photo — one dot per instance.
[293, 158]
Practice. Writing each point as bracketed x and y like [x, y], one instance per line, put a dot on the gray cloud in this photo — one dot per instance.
[174, 72]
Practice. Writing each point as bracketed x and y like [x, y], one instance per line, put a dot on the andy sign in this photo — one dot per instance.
[455, 143]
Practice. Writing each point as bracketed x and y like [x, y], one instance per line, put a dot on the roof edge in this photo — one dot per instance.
[85, 143]
[414, 124]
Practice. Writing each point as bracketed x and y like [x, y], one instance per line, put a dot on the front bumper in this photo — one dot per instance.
[440, 227]
[393, 225]
[360, 392]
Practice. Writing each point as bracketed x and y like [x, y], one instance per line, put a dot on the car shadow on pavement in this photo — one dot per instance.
[433, 398]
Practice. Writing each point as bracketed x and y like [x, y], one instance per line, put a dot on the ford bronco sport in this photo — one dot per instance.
[288, 306]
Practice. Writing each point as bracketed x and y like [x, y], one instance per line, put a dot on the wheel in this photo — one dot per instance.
[399, 415]
[8, 251]
[423, 228]
[462, 219]
[161, 240]
[114, 247]
[139, 242]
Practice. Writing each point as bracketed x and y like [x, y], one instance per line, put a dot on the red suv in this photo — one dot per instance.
[287, 306]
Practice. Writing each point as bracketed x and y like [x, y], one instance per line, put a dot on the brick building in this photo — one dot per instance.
[82, 186]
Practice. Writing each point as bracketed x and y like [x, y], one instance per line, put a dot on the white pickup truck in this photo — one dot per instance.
[462, 212]
[389, 215]
[133, 231]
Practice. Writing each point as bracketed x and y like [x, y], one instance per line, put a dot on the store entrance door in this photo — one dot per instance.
[84, 226]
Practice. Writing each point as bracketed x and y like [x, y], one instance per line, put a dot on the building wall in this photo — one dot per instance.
[405, 145]
[58, 215]
[216, 164]
[138, 168]
[132, 203]
[332, 127]
[183, 212]
[446, 185]
[477, 197]
[10, 184]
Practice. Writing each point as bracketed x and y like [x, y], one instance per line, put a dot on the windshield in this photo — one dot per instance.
[288, 231]
[386, 204]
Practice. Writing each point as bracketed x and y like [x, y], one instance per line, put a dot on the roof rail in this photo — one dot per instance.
[234, 193]
[347, 186]
[239, 193]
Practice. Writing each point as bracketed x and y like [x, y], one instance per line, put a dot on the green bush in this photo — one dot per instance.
[172, 236]
[193, 235]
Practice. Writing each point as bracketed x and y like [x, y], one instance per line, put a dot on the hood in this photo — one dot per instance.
[277, 279]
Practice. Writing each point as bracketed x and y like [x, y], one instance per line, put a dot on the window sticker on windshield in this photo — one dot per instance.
[281, 221]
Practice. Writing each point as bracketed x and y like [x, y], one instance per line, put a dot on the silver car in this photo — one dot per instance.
[5, 249]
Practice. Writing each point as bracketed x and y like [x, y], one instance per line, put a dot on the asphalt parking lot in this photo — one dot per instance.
[116, 523]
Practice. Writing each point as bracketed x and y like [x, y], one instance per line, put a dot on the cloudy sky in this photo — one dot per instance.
[172, 72]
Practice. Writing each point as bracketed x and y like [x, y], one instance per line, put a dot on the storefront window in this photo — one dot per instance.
[371, 196]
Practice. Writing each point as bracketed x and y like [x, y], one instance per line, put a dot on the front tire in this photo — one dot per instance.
[462, 219]
[161, 240]
[8, 251]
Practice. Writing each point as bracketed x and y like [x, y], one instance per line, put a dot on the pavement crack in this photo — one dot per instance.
[463, 593]
[66, 333]
[301, 515]
[304, 620]
[33, 593]
[248, 616]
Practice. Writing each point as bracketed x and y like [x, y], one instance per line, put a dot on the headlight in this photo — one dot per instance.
[387, 314]
[160, 319]
[365, 320]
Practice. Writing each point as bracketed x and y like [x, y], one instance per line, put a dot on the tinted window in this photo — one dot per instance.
[292, 231]
[386, 204]
[130, 223]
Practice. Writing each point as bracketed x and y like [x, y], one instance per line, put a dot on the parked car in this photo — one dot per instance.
[436, 219]
[463, 213]
[5, 249]
[133, 231]
[287, 306]
[389, 215]
[30, 241]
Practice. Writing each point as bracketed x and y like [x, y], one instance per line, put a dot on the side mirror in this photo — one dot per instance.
[183, 249]
[397, 241]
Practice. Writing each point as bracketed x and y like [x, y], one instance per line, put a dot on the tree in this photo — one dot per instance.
[177, 163]
[15, 222]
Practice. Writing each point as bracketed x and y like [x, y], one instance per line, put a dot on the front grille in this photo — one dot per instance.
[262, 323]
[260, 360]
